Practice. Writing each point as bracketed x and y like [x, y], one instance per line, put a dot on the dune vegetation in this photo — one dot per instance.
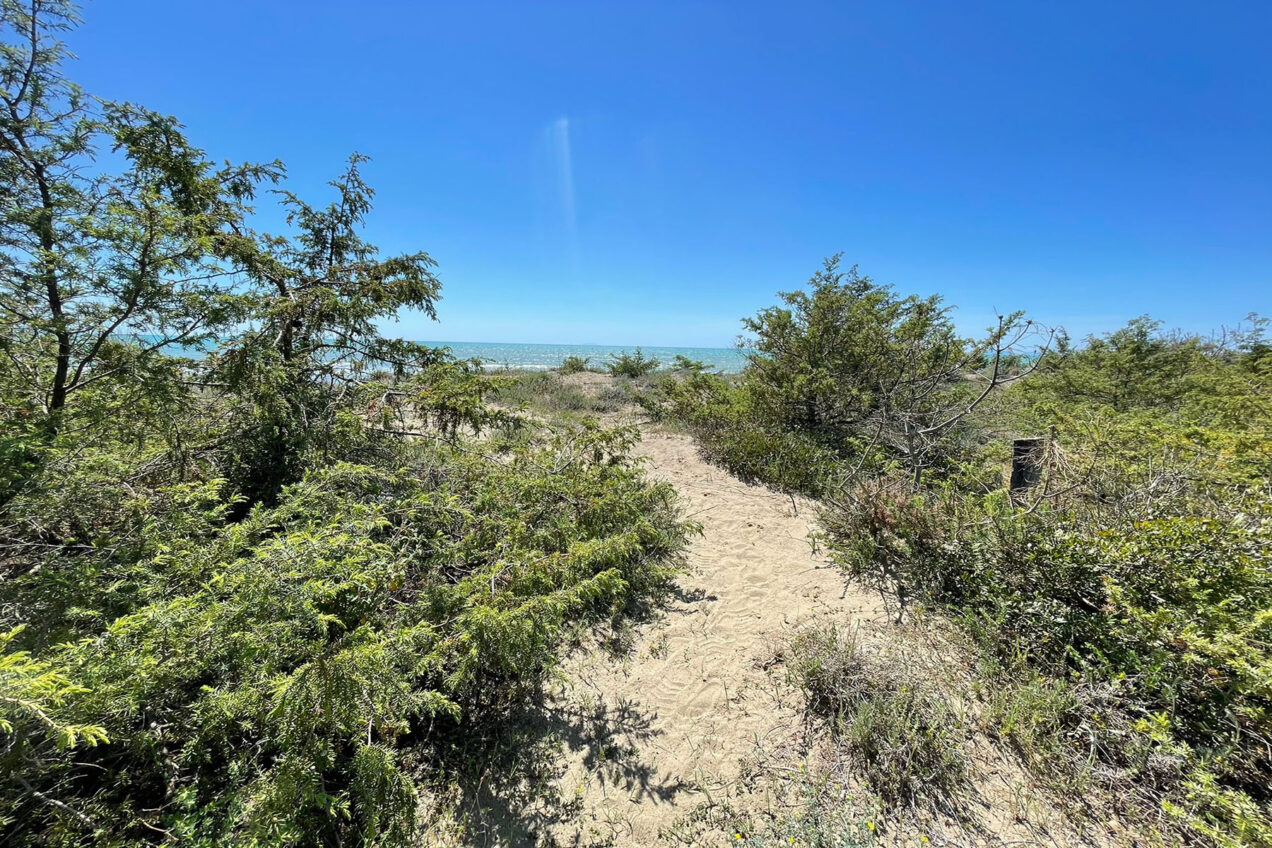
[263, 595]
[272, 577]
[1120, 608]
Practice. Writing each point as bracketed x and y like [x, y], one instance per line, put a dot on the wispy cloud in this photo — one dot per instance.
[565, 169]
[559, 138]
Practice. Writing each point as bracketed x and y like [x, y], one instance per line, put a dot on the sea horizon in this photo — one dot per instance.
[544, 357]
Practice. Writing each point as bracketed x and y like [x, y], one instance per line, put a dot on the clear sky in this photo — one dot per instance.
[650, 172]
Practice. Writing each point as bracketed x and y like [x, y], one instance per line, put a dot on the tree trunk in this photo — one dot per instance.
[62, 368]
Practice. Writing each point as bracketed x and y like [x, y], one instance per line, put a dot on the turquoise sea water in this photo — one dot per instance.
[544, 356]
[541, 357]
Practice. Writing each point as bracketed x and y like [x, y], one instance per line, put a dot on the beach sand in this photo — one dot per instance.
[695, 692]
[692, 727]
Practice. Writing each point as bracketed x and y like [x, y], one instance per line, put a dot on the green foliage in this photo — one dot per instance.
[632, 365]
[847, 378]
[850, 362]
[722, 415]
[1198, 410]
[33, 699]
[574, 365]
[1166, 617]
[318, 295]
[1135, 367]
[267, 596]
[1121, 607]
[1124, 606]
[91, 264]
[1044, 719]
[291, 664]
[684, 363]
[21, 445]
[786, 461]
[902, 737]
[822, 357]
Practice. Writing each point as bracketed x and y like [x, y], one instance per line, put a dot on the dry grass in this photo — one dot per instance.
[898, 733]
[551, 394]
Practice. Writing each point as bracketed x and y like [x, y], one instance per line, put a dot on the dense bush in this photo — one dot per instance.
[1167, 618]
[574, 365]
[849, 375]
[850, 362]
[1124, 605]
[632, 365]
[277, 679]
[260, 594]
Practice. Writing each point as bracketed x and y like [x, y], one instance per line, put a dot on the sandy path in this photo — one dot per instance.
[669, 739]
[692, 699]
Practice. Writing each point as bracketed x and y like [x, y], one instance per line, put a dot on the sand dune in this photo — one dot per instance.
[690, 726]
[696, 677]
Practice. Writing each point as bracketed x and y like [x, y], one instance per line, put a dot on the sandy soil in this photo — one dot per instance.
[691, 724]
[697, 700]
[697, 716]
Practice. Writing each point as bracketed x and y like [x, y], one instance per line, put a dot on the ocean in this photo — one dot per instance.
[540, 357]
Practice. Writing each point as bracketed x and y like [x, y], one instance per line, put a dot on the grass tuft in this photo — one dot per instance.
[902, 737]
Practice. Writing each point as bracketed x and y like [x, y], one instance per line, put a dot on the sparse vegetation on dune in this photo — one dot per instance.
[546, 393]
[1120, 606]
[893, 730]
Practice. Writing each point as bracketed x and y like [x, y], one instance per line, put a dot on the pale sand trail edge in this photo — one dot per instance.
[695, 678]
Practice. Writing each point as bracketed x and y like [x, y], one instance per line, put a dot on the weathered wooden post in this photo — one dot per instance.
[1027, 458]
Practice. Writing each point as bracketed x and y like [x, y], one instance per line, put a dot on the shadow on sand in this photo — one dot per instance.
[517, 798]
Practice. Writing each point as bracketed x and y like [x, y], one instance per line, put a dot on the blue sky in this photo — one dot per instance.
[651, 172]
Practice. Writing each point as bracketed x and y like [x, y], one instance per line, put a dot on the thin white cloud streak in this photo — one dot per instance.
[565, 182]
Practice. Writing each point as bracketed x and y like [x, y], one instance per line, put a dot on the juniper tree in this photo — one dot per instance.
[100, 273]
[1135, 367]
[858, 366]
[313, 343]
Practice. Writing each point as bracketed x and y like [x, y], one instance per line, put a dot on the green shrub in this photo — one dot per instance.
[684, 363]
[574, 365]
[632, 365]
[850, 362]
[291, 667]
[267, 597]
[540, 390]
[1152, 411]
[1168, 618]
[1136, 367]
[721, 415]
[786, 461]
